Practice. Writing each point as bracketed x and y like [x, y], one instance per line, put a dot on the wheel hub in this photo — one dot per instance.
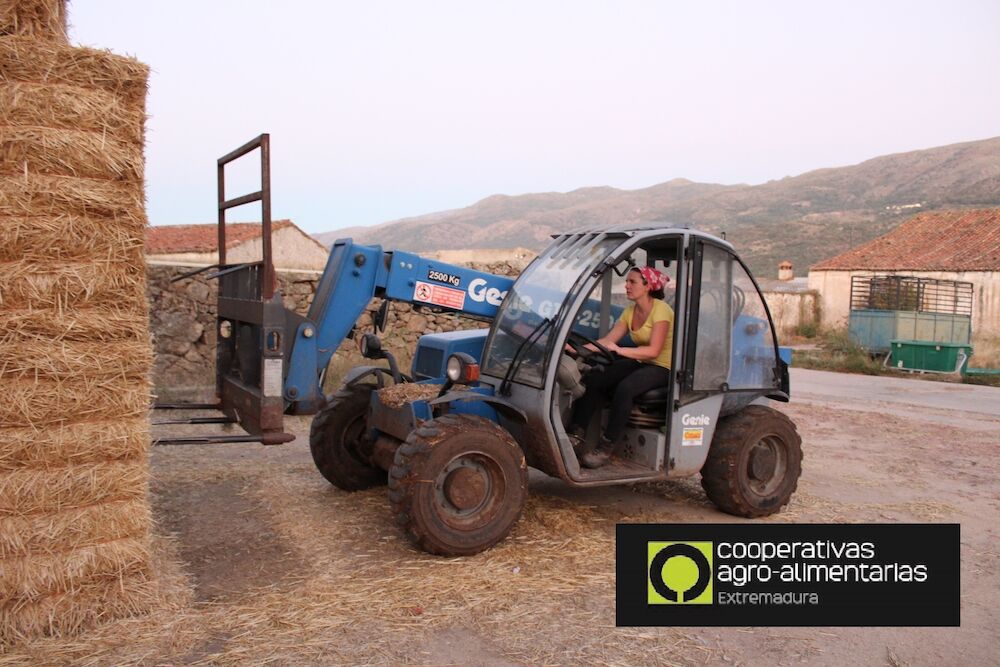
[465, 488]
[762, 463]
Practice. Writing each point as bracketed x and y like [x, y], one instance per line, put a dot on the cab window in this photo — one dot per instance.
[712, 310]
[753, 359]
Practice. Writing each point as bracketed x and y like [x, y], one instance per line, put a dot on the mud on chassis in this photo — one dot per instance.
[456, 465]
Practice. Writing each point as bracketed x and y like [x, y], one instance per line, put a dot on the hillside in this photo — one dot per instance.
[803, 218]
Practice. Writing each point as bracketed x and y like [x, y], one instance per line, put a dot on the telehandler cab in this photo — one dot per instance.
[500, 398]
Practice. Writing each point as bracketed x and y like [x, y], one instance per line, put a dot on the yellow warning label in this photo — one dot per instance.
[693, 437]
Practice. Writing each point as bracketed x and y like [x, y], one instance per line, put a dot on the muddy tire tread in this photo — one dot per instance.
[403, 482]
[339, 467]
[719, 475]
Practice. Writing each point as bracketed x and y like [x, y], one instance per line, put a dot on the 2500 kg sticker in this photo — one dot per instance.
[443, 277]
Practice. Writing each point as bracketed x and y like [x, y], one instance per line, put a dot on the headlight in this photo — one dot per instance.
[462, 368]
[454, 368]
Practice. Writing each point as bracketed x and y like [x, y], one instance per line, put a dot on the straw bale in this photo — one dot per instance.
[35, 577]
[127, 361]
[40, 19]
[45, 402]
[71, 611]
[105, 324]
[60, 152]
[28, 491]
[74, 528]
[71, 284]
[102, 200]
[34, 61]
[75, 350]
[66, 107]
[68, 238]
[80, 442]
[180, 626]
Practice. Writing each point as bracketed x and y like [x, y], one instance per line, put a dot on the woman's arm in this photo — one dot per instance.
[613, 336]
[644, 352]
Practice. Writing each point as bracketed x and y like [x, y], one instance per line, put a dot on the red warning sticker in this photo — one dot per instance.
[439, 295]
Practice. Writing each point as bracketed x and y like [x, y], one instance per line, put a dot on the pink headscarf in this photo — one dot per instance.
[655, 280]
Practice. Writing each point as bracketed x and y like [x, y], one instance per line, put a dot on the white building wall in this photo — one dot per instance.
[790, 309]
[290, 247]
[834, 288]
[196, 258]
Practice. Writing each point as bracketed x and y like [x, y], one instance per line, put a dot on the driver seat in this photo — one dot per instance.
[650, 409]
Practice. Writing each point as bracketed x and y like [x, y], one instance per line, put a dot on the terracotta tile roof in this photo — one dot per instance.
[958, 240]
[171, 239]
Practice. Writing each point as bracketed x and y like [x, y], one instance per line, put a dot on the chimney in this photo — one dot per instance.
[785, 271]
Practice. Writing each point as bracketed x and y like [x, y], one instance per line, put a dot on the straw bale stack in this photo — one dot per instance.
[75, 353]
[42, 19]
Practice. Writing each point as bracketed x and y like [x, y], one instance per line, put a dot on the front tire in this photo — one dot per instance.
[458, 485]
[339, 440]
[754, 463]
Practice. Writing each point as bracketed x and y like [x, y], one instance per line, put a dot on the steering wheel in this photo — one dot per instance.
[577, 341]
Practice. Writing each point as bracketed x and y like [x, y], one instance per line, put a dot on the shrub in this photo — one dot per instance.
[839, 353]
[806, 330]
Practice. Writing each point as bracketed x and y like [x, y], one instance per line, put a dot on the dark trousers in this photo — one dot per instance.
[622, 382]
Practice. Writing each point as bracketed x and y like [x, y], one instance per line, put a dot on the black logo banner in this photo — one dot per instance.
[788, 574]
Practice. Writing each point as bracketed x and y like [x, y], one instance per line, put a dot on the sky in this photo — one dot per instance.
[384, 110]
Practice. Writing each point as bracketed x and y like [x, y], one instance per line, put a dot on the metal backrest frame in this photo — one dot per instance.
[251, 318]
[263, 142]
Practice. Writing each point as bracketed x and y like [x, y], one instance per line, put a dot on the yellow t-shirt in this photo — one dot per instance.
[661, 313]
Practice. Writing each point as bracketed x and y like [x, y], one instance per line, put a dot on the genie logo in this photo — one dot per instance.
[700, 420]
[478, 291]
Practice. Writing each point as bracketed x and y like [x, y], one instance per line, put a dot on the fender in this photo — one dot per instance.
[784, 391]
[359, 373]
[502, 405]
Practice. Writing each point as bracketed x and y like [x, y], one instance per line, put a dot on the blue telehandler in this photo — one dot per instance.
[487, 403]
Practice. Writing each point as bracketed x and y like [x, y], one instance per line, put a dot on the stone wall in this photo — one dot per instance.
[182, 319]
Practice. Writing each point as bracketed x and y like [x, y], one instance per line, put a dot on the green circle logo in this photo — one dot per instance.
[680, 572]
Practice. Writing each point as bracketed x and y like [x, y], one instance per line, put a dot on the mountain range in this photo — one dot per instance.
[803, 218]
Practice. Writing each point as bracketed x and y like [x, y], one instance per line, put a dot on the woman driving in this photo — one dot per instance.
[650, 322]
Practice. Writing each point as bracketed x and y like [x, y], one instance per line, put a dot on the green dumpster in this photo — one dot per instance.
[929, 356]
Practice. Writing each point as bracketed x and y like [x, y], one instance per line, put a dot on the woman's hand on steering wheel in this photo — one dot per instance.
[578, 342]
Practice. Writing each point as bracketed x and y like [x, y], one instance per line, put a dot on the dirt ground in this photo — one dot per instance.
[265, 563]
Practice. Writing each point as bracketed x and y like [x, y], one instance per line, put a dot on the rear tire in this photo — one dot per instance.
[754, 463]
[339, 440]
[457, 485]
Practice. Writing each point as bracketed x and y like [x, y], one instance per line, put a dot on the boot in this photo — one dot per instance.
[578, 437]
[599, 455]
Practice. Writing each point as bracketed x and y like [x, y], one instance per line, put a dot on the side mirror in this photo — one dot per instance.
[371, 346]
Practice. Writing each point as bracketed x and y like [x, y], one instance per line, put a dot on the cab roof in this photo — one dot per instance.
[643, 229]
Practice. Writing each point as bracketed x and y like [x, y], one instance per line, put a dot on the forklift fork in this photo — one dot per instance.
[250, 329]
